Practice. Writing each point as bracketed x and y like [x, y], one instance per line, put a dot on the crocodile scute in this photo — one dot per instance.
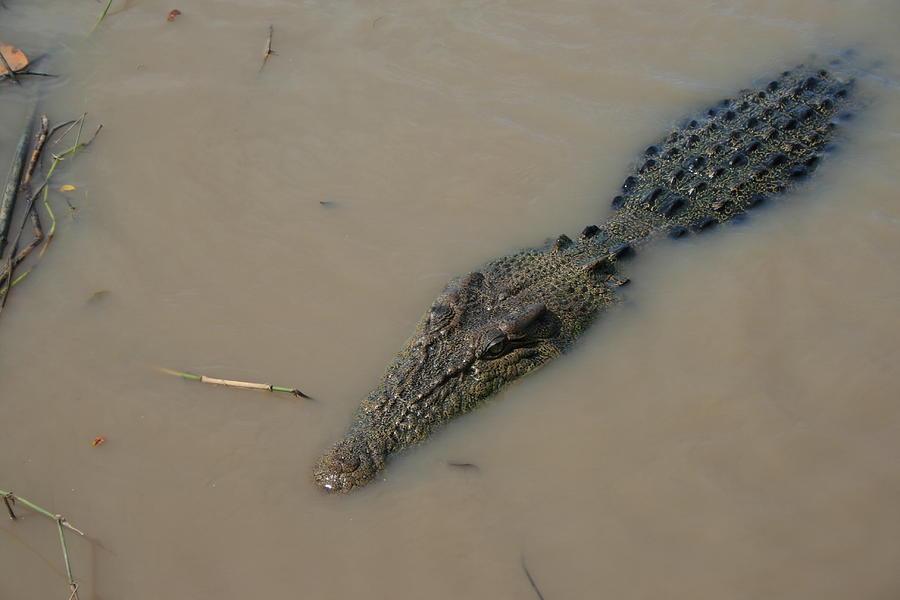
[518, 312]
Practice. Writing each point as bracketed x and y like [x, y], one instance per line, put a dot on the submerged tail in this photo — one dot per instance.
[730, 158]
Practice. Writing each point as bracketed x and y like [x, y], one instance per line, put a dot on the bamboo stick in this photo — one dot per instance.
[236, 384]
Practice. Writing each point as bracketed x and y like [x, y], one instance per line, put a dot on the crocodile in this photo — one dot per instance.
[518, 312]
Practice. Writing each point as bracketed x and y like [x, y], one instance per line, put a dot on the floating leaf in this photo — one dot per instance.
[66, 188]
[15, 57]
[98, 440]
[173, 14]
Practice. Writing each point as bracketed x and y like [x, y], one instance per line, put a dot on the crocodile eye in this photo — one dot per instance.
[496, 346]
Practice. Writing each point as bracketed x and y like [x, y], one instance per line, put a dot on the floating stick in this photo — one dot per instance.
[20, 73]
[531, 580]
[101, 17]
[268, 51]
[9, 501]
[231, 383]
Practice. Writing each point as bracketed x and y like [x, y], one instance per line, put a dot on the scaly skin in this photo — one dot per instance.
[518, 312]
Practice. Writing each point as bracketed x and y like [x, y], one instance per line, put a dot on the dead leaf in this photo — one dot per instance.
[66, 188]
[98, 440]
[173, 14]
[15, 57]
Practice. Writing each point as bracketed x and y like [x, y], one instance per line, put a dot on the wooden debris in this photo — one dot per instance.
[232, 383]
[268, 51]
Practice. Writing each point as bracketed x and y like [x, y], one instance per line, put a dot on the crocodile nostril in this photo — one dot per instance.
[348, 464]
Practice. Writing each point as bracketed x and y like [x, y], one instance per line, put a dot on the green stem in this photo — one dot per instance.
[58, 518]
[187, 375]
[44, 198]
[62, 542]
[101, 17]
[29, 504]
[52, 229]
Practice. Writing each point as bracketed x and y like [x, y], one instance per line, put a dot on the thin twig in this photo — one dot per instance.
[71, 125]
[9, 70]
[73, 587]
[9, 500]
[39, 140]
[232, 383]
[61, 125]
[268, 51]
[101, 17]
[56, 160]
[35, 73]
[531, 580]
[43, 511]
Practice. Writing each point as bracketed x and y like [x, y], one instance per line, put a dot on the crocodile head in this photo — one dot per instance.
[481, 333]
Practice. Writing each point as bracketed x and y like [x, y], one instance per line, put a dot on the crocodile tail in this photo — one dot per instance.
[730, 158]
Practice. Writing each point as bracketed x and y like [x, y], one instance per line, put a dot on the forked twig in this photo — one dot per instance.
[60, 523]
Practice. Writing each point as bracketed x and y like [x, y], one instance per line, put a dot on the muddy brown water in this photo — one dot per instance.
[732, 432]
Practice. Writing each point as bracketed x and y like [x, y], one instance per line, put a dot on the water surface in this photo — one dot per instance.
[732, 431]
